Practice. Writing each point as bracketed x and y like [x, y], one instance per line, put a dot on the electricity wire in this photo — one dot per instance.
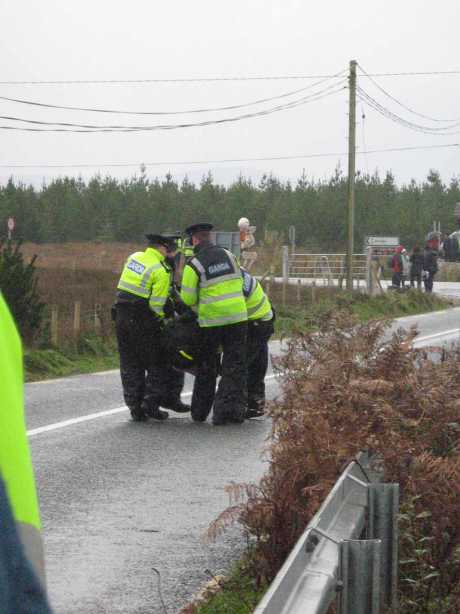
[86, 128]
[374, 104]
[401, 104]
[232, 160]
[219, 78]
[183, 112]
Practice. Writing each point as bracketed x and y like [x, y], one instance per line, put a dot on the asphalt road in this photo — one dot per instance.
[119, 498]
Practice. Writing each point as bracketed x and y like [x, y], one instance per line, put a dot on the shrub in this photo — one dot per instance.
[18, 283]
[346, 390]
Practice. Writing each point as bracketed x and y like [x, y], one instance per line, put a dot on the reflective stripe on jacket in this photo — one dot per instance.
[15, 463]
[257, 302]
[212, 281]
[145, 275]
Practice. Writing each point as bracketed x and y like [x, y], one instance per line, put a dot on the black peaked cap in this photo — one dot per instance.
[194, 228]
[159, 240]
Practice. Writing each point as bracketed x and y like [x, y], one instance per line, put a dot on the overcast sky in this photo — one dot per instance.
[174, 39]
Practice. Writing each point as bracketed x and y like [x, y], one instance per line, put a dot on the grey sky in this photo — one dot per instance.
[102, 39]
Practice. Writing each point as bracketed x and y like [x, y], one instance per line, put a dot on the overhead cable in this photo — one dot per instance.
[73, 127]
[374, 104]
[230, 160]
[401, 104]
[220, 78]
[182, 112]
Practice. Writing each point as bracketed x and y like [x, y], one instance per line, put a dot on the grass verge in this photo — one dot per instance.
[92, 354]
[236, 594]
[307, 315]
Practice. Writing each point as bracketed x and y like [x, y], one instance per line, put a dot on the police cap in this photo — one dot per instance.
[194, 228]
[154, 239]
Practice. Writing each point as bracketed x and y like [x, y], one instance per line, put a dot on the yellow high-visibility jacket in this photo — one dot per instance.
[15, 462]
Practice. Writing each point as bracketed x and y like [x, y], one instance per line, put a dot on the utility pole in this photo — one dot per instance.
[351, 172]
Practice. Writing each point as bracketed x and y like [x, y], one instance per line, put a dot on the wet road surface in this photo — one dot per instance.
[119, 498]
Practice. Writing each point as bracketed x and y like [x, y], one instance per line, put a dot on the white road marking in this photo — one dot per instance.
[454, 332]
[101, 414]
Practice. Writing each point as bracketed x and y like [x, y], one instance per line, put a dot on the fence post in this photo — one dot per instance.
[359, 576]
[97, 319]
[76, 319]
[383, 525]
[299, 283]
[313, 291]
[54, 325]
[369, 279]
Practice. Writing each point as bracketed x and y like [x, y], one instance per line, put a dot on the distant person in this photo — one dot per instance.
[397, 268]
[405, 261]
[455, 249]
[446, 248]
[430, 266]
[21, 552]
[416, 267]
[142, 293]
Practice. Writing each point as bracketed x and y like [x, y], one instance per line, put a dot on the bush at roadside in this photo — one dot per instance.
[345, 390]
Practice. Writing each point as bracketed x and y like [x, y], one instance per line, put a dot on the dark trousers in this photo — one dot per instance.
[428, 281]
[259, 334]
[140, 345]
[397, 279]
[230, 400]
[416, 277]
[166, 384]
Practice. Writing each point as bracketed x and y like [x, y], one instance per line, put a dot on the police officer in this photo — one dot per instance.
[166, 381]
[142, 292]
[21, 551]
[213, 285]
[261, 319]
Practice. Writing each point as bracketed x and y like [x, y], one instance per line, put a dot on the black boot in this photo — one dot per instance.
[137, 414]
[180, 408]
[154, 412]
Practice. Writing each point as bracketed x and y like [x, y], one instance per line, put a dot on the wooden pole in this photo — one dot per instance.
[54, 325]
[351, 172]
[76, 319]
[97, 319]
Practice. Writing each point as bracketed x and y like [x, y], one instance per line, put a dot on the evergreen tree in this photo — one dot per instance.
[18, 284]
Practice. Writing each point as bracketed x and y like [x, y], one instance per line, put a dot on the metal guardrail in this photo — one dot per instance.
[325, 266]
[330, 560]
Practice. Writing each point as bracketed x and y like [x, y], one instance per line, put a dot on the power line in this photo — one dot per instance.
[221, 78]
[86, 128]
[377, 106]
[401, 104]
[231, 160]
[183, 112]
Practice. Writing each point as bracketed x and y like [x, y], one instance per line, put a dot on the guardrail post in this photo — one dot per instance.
[360, 577]
[383, 525]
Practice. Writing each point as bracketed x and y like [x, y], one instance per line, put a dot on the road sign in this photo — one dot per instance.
[382, 241]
